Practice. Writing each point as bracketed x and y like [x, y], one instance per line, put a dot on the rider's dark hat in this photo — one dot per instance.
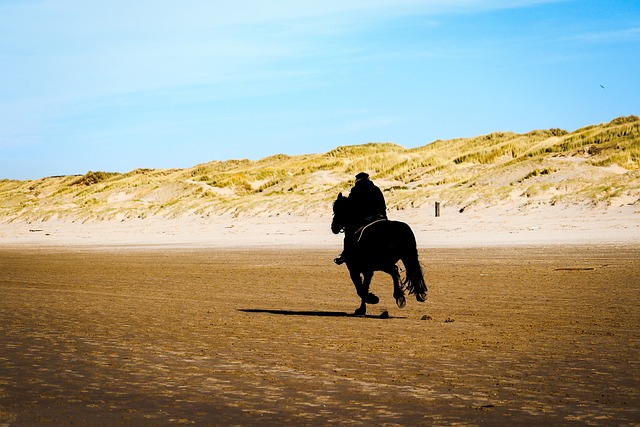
[362, 175]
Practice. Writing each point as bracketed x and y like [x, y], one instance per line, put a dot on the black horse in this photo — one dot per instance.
[378, 247]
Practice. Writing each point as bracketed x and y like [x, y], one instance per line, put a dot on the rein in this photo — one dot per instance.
[360, 231]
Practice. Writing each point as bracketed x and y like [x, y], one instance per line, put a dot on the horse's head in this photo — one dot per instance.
[340, 214]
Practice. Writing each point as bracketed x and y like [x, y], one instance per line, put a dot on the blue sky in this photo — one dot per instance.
[116, 85]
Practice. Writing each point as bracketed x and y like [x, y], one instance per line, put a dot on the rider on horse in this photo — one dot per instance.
[367, 201]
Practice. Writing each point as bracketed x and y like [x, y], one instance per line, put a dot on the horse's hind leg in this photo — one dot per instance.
[398, 292]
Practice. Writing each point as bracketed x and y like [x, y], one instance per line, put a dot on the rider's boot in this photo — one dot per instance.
[342, 258]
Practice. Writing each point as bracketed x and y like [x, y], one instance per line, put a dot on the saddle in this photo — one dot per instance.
[352, 238]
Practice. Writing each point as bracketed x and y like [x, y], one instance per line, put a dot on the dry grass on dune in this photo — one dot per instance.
[598, 165]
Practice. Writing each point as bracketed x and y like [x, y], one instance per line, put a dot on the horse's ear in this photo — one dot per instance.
[340, 196]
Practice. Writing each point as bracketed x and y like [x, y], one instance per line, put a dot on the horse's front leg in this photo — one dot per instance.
[356, 278]
[369, 297]
[362, 288]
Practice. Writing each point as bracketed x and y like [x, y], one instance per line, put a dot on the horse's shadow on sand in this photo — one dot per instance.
[313, 313]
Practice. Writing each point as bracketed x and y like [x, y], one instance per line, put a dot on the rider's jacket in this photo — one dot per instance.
[367, 202]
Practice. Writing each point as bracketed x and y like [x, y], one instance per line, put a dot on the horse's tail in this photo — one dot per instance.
[414, 280]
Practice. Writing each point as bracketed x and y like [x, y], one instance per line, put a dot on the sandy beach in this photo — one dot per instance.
[528, 335]
[532, 319]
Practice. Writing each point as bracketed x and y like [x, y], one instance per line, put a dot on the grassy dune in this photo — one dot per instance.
[597, 165]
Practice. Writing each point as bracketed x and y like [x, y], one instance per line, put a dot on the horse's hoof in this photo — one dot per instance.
[421, 297]
[372, 299]
[360, 311]
[401, 302]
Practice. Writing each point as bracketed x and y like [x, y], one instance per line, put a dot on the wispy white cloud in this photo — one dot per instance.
[607, 36]
[149, 43]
